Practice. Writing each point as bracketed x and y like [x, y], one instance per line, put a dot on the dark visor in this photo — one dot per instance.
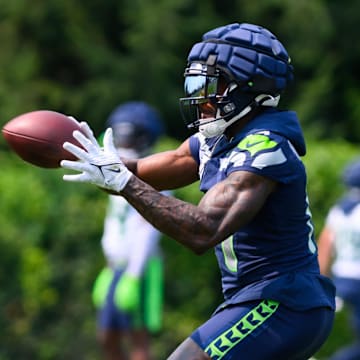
[201, 95]
[200, 86]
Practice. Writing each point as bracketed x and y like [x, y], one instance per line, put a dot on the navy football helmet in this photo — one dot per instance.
[136, 127]
[234, 69]
[351, 174]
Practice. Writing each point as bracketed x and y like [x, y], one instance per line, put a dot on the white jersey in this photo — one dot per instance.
[346, 227]
[128, 239]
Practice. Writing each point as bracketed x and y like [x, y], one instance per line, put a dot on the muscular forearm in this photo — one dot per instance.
[164, 171]
[184, 222]
[325, 250]
[223, 210]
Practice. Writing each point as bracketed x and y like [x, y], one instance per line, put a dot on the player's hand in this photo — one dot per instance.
[101, 287]
[98, 166]
[127, 293]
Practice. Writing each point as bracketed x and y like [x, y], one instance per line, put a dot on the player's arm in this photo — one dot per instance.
[325, 250]
[166, 170]
[224, 209]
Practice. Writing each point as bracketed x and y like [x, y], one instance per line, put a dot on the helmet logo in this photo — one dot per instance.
[229, 107]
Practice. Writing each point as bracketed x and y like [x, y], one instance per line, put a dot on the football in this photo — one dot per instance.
[38, 136]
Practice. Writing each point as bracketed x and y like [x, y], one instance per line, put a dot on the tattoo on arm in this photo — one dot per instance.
[223, 210]
[180, 220]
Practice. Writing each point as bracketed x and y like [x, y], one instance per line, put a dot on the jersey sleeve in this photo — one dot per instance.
[145, 243]
[333, 216]
[194, 143]
[266, 154]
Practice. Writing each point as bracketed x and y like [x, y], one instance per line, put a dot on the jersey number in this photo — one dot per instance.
[227, 247]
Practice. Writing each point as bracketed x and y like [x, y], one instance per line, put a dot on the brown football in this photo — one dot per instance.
[38, 137]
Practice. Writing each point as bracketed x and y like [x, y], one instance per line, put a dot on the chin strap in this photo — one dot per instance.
[267, 100]
[217, 126]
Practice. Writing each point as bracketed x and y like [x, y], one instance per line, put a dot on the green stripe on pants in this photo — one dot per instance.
[154, 294]
[219, 347]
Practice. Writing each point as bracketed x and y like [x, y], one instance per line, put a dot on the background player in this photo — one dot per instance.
[127, 292]
[339, 253]
[255, 210]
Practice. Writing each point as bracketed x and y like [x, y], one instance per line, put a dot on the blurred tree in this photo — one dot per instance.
[83, 58]
[48, 237]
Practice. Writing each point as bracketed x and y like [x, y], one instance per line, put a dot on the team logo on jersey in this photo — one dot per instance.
[256, 142]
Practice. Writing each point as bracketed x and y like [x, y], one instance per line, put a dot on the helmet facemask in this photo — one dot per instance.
[213, 103]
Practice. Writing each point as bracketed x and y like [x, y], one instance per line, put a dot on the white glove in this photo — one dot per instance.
[99, 166]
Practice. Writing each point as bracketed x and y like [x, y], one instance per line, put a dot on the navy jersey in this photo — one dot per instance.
[274, 256]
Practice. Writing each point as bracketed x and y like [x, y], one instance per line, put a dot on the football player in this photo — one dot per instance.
[255, 211]
[339, 254]
[128, 290]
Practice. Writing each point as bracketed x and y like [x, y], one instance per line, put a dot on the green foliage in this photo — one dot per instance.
[84, 58]
[49, 236]
[325, 161]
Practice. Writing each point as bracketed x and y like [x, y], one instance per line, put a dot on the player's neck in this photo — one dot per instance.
[235, 128]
